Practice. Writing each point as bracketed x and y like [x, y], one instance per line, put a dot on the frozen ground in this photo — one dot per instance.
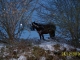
[46, 45]
[49, 45]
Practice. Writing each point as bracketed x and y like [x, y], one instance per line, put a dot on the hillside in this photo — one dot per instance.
[34, 49]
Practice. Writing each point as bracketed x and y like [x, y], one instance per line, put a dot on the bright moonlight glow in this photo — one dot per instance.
[20, 24]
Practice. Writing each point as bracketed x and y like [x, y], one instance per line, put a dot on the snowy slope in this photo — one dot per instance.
[46, 45]
[49, 45]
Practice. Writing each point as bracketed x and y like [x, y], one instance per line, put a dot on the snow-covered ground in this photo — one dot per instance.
[46, 45]
[49, 45]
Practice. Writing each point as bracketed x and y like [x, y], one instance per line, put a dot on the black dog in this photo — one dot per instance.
[44, 29]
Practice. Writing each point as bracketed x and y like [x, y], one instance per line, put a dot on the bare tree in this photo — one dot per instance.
[12, 13]
[66, 15]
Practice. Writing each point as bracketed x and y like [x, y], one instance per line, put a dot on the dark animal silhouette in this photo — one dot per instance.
[44, 29]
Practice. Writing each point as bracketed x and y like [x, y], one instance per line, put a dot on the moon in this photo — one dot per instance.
[20, 24]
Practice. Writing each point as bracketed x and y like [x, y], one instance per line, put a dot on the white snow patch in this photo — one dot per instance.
[42, 58]
[22, 58]
[68, 57]
[49, 46]
[68, 47]
[5, 54]
[78, 49]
